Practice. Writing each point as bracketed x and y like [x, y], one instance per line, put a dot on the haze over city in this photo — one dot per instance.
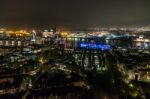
[74, 13]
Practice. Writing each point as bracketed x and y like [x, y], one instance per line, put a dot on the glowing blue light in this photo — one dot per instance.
[83, 45]
[95, 46]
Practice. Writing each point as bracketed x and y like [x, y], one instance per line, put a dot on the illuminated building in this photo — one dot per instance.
[142, 42]
[91, 55]
[12, 39]
[33, 36]
[47, 34]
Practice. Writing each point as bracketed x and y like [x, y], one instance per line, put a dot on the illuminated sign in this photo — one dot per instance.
[95, 46]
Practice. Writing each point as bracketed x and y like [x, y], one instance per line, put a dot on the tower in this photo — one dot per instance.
[33, 39]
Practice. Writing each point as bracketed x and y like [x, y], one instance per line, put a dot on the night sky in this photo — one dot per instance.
[74, 13]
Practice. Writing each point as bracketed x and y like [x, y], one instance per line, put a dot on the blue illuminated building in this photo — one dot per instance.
[95, 46]
[97, 43]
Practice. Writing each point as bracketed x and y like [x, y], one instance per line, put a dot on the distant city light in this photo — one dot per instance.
[64, 34]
